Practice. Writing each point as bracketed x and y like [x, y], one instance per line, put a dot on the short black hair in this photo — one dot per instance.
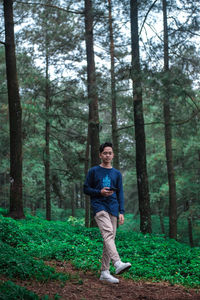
[104, 145]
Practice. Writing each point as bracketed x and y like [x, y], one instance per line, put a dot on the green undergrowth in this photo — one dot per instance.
[26, 244]
[9, 290]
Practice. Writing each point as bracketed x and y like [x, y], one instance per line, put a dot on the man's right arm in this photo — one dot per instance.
[88, 187]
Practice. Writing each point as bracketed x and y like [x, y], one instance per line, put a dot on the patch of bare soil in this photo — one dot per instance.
[86, 286]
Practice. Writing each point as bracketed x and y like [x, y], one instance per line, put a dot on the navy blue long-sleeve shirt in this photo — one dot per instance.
[98, 178]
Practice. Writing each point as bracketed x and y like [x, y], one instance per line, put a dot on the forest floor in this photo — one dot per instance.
[87, 286]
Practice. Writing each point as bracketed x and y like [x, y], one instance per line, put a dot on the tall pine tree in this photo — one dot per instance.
[142, 177]
[15, 116]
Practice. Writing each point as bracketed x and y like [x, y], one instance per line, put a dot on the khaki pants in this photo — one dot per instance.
[107, 225]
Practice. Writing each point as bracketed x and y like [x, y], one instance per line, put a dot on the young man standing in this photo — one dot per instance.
[104, 185]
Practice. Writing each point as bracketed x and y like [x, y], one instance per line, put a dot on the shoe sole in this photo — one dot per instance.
[123, 270]
[108, 282]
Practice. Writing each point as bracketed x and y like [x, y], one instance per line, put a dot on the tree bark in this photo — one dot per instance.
[91, 82]
[73, 200]
[142, 177]
[47, 140]
[92, 90]
[77, 203]
[57, 190]
[15, 116]
[168, 135]
[113, 90]
[160, 213]
[81, 195]
[190, 232]
[199, 160]
[87, 198]
[190, 227]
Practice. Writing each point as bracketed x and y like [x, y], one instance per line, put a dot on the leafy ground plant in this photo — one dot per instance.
[10, 290]
[35, 240]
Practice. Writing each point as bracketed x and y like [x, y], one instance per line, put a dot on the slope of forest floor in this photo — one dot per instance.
[87, 286]
[44, 260]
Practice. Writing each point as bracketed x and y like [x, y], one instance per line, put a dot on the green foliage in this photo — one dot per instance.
[62, 214]
[3, 211]
[132, 223]
[68, 114]
[14, 262]
[158, 259]
[152, 256]
[11, 233]
[9, 290]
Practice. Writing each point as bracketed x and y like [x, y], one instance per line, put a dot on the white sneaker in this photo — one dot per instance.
[106, 276]
[121, 267]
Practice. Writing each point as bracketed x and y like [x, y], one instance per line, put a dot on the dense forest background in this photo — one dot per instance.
[53, 84]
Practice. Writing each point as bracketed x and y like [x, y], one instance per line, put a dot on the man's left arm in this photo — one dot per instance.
[121, 200]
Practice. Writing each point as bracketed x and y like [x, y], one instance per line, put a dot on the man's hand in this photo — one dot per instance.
[121, 219]
[106, 192]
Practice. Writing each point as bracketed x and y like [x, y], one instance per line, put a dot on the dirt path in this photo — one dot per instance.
[86, 286]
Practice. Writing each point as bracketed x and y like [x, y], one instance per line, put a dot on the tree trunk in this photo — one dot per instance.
[189, 220]
[168, 136]
[160, 213]
[87, 198]
[77, 203]
[92, 89]
[82, 203]
[113, 90]
[57, 190]
[190, 232]
[47, 138]
[142, 178]
[15, 116]
[73, 200]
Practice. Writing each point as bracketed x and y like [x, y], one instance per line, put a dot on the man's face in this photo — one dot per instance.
[107, 155]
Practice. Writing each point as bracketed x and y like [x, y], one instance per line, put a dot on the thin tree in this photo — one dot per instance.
[113, 89]
[73, 200]
[142, 177]
[15, 116]
[47, 148]
[47, 133]
[168, 134]
[86, 167]
[92, 89]
[189, 220]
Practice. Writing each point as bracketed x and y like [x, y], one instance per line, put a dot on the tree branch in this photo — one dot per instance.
[181, 122]
[53, 6]
[175, 123]
[191, 98]
[3, 43]
[150, 8]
